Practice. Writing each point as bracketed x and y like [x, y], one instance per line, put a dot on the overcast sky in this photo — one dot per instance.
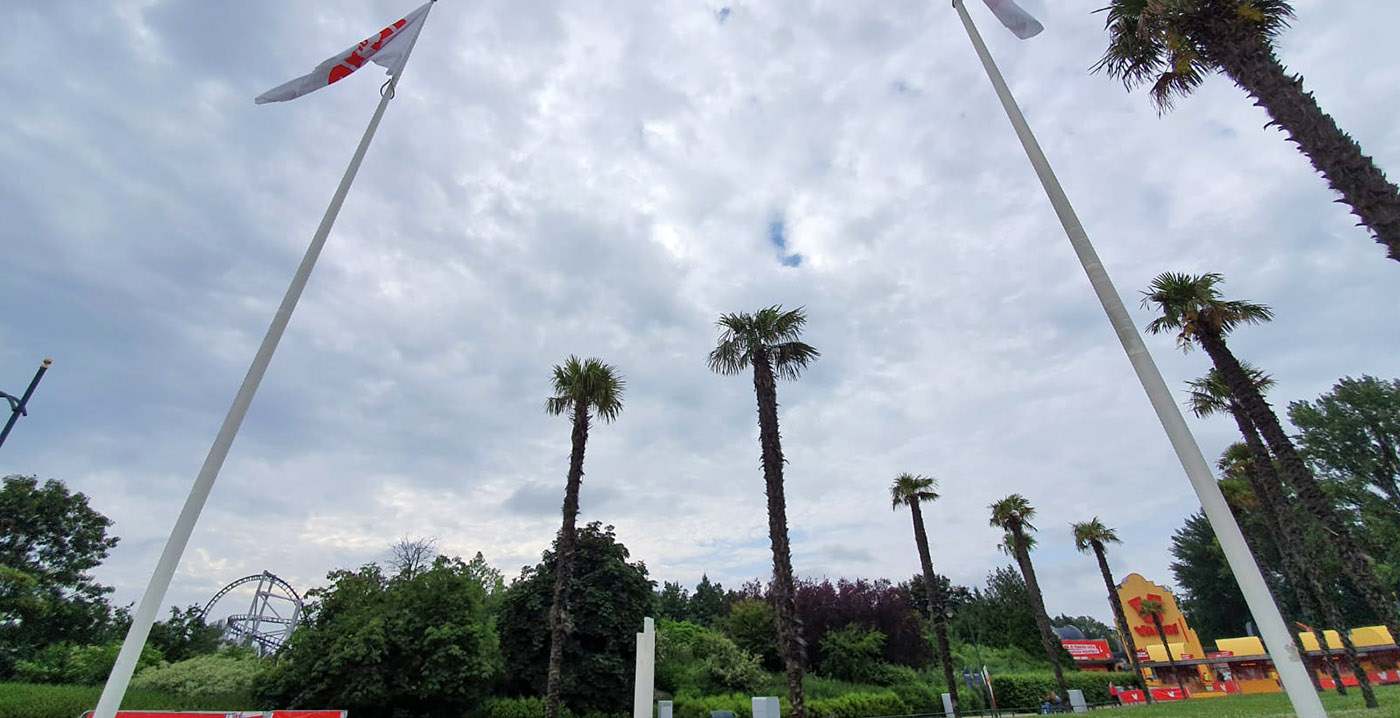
[605, 179]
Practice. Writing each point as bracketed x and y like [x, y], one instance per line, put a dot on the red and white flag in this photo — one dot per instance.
[1014, 18]
[387, 48]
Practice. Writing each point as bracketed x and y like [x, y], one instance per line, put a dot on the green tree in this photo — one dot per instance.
[1151, 609]
[1192, 307]
[412, 644]
[852, 654]
[751, 624]
[184, 635]
[1094, 537]
[911, 490]
[672, 602]
[708, 604]
[50, 538]
[1013, 515]
[1209, 596]
[490, 579]
[1352, 433]
[1210, 395]
[1175, 44]
[611, 598]
[1000, 615]
[583, 388]
[768, 341]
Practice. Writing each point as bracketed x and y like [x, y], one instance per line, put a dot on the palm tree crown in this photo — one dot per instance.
[910, 489]
[587, 383]
[1209, 395]
[1013, 512]
[772, 333]
[1191, 305]
[1171, 43]
[1088, 533]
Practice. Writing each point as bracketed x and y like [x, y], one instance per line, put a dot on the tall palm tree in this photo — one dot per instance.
[769, 341]
[583, 388]
[1191, 305]
[1151, 609]
[1175, 44]
[1013, 515]
[1210, 395]
[1094, 536]
[910, 490]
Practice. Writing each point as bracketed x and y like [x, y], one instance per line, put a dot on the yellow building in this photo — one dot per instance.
[1185, 645]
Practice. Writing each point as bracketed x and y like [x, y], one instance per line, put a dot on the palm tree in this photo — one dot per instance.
[583, 388]
[910, 490]
[1013, 515]
[1175, 44]
[1192, 307]
[1093, 536]
[768, 341]
[1209, 395]
[1151, 609]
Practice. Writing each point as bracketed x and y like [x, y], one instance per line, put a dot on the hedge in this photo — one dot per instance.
[1027, 691]
[531, 708]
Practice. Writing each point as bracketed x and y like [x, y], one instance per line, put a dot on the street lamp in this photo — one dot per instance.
[18, 406]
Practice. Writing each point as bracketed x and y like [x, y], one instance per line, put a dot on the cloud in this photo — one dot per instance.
[584, 178]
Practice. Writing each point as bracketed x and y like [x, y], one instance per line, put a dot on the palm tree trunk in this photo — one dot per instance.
[790, 641]
[933, 589]
[1120, 620]
[1355, 561]
[1299, 564]
[1042, 619]
[1157, 621]
[1373, 199]
[559, 620]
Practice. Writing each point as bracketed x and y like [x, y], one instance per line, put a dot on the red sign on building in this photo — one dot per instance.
[1088, 650]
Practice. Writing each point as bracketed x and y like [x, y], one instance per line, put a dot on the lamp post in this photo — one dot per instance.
[18, 406]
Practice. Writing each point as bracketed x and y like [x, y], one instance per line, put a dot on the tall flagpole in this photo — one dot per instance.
[141, 621]
[1282, 649]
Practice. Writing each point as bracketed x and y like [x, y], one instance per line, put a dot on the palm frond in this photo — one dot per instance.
[1087, 533]
[590, 383]
[909, 489]
[769, 330]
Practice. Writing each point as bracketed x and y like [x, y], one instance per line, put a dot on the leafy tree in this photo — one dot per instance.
[872, 605]
[583, 388]
[672, 602]
[698, 660]
[378, 645]
[1210, 395]
[852, 654]
[1151, 609]
[1094, 537]
[49, 539]
[910, 490]
[611, 598]
[1193, 307]
[1013, 515]
[768, 341]
[490, 579]
[1176, 44]
[184, 635]
[1000, 615]
[751, 625]
[709, 603]
[1352, 433]
[390, 646]
[1209, 596]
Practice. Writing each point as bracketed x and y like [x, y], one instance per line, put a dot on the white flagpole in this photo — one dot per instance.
[122, 670]
[1282, 649]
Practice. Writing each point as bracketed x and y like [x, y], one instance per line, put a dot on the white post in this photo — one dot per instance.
[646, 670]
[151, 600]
[1281, 648]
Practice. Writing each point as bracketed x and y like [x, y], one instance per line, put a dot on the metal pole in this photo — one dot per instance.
[17, 408]
[1281, 649]
[141, 621]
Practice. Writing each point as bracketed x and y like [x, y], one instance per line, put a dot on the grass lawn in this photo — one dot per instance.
[1271, 705]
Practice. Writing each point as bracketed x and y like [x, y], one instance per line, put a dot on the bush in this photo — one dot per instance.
[25, 700]
[852, 654]
[68, 663]
[695, 659]
[858, 705]
[230, 671]
[685, 706]
[1026, 691]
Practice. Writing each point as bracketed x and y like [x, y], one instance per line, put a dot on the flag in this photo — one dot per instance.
[387, 48]
[1014, 18]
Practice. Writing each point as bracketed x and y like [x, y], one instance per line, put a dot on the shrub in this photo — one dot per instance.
[68, 663]
[1026, 691]
[26, 700]
[230, 671]
[858, 705]
[852, 654]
